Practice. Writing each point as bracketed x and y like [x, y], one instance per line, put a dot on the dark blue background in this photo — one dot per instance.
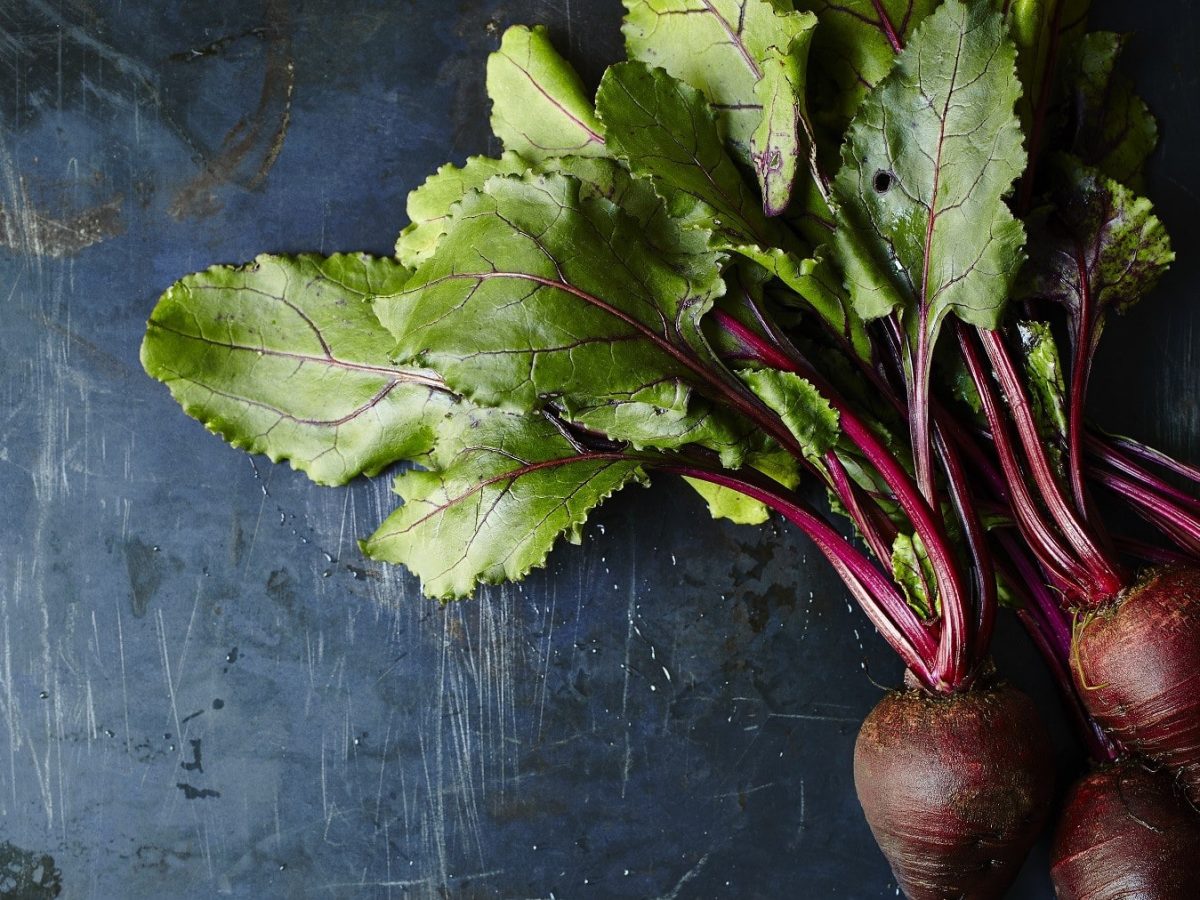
[204, 690]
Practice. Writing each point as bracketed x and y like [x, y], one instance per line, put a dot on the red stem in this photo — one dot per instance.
[1146, 452]
[1152, 553]
[953, 663]
[1127, 466]
[877, 596]
[889, 29]
[1080, 367]
[1053, 555]
[1180, 525]
[983, 572]
[1105, 576]
[1050, 631]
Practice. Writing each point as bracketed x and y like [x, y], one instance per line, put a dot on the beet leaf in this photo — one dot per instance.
[285, 357]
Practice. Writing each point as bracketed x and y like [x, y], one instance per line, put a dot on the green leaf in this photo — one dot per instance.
[537, 297]
[1102, 250]
[1044, 32]
[429, 205]
[607, 178]
[726, 503]
[815, 280]
[783, 140]
[856, 46]
[1114, 129]
[927, 162]
[1044, 375]
[502, 489]
[807, 414]
[285, 357]
[912, 570]
[664, 130]
[539, 105]
[718, 47]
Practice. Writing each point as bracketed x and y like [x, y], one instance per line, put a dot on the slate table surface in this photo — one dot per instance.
[206, 691]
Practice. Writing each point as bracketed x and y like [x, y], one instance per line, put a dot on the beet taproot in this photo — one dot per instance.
[1126, 832]
[954, 787]
[1136, 663]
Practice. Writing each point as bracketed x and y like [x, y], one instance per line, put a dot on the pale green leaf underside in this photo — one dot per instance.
[726, 503]
[538, 297]
[719, 48]
[502, 490]
[927, 162]
[912, 570]
[685, 248]
[808, 415]
[1044, 375]
[285, 357]
[539, 105]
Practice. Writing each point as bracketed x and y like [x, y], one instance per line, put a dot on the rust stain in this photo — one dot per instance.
[39, 233]
[251, 147]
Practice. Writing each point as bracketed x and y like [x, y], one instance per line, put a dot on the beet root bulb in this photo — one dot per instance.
[955, 788]
[1126, 832]
[1137, 665]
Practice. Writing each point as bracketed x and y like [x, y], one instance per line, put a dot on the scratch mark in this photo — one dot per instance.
[687, 876]
[166, 663]
[630, 613]
[124, 683]
[414, 882]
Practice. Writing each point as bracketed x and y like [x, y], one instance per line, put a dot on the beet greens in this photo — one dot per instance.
[828, 243]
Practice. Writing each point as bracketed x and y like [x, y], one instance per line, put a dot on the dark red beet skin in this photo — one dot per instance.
[1137, 665]
[1126, 833]
[955, 788]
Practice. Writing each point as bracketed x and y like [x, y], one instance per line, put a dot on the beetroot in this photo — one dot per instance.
[1125, 833]
[1137, 665]
[955, 788]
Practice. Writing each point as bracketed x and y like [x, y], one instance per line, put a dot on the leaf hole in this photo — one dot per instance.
[882, 181]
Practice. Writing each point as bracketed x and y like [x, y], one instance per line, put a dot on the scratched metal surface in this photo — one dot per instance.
[205, 691]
